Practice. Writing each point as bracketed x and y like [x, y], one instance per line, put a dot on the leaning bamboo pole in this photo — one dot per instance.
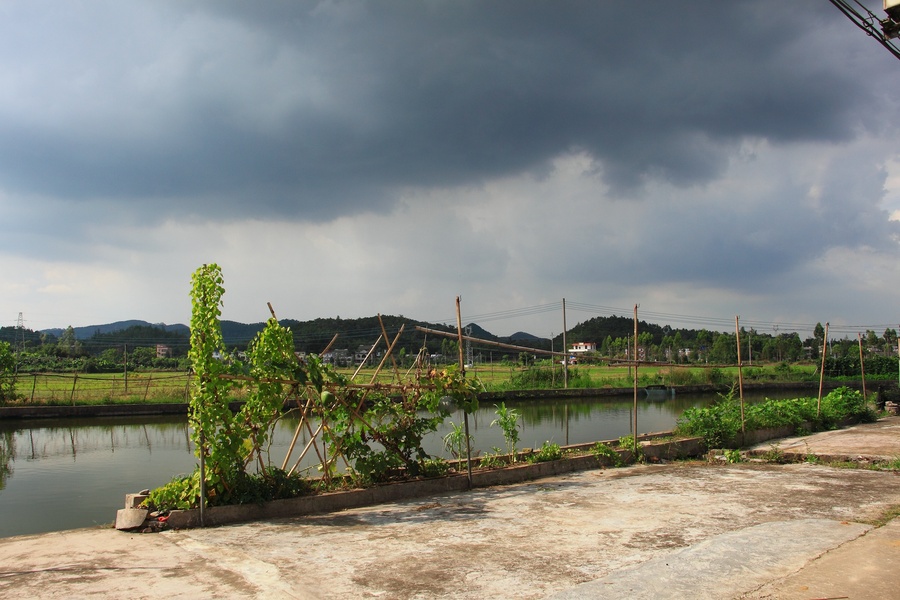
[366, 359]
[822, 372]
[462, 370]
[393, 360]
[862, 367]
[290, 449]
[387, 354]
[460, 336]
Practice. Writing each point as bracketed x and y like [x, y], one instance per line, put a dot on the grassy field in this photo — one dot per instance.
[107, 388]
[150, 387]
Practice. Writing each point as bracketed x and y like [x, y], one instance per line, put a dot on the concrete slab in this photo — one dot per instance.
[726, 565]
[879, 441]
[866, 568]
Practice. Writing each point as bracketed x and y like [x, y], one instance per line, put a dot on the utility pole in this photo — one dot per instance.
[20, 342]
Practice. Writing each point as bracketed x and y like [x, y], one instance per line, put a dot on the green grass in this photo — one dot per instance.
[168, 386]
[110, 388]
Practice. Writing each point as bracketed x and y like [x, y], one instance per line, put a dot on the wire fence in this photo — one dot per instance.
[75, 388]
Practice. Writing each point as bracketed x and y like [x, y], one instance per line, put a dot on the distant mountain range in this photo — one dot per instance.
[84, 333]
[317, 334]
[311, 335]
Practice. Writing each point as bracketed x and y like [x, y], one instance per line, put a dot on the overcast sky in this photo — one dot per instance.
[701, 159]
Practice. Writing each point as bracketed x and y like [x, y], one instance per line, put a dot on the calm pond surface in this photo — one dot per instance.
[66, 474]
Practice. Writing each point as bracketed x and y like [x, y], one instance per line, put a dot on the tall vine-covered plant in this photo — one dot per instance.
[375, 431]
[229, 441]
[209, 417]
[272, 362]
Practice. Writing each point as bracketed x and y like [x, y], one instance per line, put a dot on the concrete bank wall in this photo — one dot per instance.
[803, 388]
[99, 410]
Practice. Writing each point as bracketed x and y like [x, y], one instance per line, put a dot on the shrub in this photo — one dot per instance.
[184, 492]
[494, 460]
[547, 452]
[508, 420]
[717, 425]
[606, 455]
[720, 423]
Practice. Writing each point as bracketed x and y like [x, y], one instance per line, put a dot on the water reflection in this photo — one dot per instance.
[62, 474]
[7, 456]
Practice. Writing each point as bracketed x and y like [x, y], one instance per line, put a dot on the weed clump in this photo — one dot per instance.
[606, 455]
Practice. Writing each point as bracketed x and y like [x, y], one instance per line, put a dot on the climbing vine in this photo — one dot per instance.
[376, 431]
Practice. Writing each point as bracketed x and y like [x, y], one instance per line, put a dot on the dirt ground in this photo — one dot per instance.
[593, 534]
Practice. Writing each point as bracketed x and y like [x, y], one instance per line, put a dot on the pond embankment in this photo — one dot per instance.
[692, 530]
[180, 408]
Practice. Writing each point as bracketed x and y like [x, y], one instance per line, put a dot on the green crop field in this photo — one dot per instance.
[167, 386]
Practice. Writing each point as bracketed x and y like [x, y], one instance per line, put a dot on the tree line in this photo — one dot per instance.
[151, 347]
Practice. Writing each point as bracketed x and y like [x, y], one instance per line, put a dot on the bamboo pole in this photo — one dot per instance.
[290, 449]
[385, 357]
[462, 370]
[634, 432]
[417, 364]
[330, 344]
[393, 360]
[459, 336]
[565, 349]
[862, 366]
[737, 335]
[822, 372]
[306, 448]
[202, 477]
[368, 354]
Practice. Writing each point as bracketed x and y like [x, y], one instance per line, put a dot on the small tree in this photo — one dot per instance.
[7, 373]
[508, 420]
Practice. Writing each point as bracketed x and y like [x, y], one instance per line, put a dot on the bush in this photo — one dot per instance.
[547, 452]
[184, 492]
[606, 455]
[720, 423]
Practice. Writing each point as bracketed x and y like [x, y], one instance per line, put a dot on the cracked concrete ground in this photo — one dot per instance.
[679, 530]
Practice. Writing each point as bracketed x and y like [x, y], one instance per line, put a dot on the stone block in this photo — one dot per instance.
[134, 500]
[130, 518]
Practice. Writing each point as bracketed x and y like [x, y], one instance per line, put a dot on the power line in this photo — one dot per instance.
[883, 30]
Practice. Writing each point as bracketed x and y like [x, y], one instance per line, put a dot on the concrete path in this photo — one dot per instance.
[877, 441]
[726, 565]
[663, 531]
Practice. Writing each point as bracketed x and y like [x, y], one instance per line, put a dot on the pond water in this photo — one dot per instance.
[66, 474]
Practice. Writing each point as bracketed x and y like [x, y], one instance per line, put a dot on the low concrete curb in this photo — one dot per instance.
[392, 492]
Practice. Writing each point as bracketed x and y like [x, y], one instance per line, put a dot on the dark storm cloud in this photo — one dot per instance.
[313, 110]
